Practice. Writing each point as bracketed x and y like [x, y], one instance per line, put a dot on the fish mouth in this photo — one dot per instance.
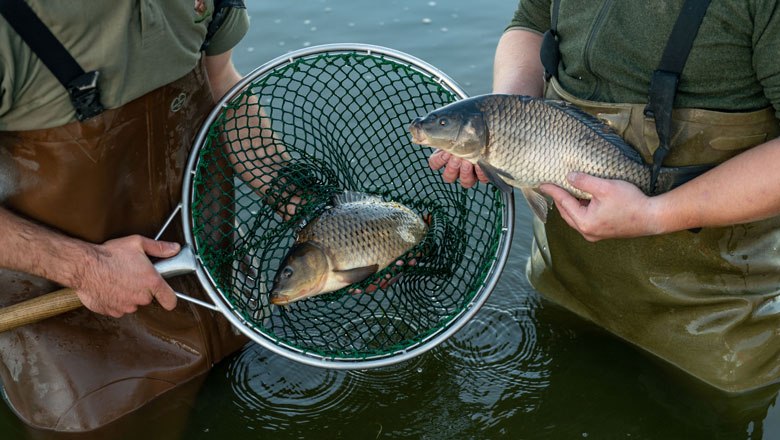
[281, 299]
[284, 297]
[418, 134]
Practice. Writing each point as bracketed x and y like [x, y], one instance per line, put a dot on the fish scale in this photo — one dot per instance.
[354, 238]
[537, 143]
[368, 232]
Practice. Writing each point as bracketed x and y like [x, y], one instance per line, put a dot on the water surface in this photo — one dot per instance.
[520, 369]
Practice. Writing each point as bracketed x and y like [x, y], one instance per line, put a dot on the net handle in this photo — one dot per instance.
[65, 300]
[39, 308]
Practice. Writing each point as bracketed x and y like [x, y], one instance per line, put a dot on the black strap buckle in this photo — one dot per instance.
[85, 95]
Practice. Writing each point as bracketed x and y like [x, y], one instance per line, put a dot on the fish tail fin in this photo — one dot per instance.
[672, 177]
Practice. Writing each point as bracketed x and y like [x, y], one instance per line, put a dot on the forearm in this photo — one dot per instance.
[34, 249]
[517, 67]
[222, 74]
[742, 189]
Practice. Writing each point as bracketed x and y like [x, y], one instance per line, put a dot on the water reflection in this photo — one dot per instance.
[521, 368]
[274, 393]
[498, 360]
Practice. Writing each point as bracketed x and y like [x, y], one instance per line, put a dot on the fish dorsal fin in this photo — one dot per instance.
[353, 197]
[599, 127]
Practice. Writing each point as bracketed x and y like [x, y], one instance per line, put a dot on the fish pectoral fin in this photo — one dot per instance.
[357, 274]
[494, 175]
[537, 202]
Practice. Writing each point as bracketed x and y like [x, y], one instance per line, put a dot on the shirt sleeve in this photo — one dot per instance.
[766, 46]
[532, 15]
[230, 33]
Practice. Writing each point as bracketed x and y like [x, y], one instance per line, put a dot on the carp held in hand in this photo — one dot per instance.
[356, 237]
[523, 142]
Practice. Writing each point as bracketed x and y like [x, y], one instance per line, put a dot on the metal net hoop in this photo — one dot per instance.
[294, 133]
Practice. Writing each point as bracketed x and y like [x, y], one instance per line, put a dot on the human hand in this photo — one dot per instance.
[455, 167]
[122, 277]
[617, 208]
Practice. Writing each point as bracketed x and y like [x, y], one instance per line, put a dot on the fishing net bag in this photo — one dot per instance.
[299, 130]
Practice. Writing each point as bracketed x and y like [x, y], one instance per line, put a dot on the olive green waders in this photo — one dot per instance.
[113, 175]
[707, 302]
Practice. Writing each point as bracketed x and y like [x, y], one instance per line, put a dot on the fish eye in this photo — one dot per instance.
[287, 272]
[443, 122]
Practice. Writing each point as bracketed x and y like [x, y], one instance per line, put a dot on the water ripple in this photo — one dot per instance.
[390, 377]
[275, 392]
[498, 362]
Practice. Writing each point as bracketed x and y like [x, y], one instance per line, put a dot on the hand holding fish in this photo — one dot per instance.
[456, 168]
[522, 142]
[617, 209]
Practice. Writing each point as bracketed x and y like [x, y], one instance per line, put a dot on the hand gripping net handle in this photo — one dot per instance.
[335, 118]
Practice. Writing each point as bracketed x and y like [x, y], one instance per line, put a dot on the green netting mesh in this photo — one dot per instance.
[283, 145]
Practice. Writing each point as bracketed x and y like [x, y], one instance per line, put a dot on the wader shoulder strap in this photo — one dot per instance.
[81, 86]
[221, 9]
[550, 54]
[663, 84]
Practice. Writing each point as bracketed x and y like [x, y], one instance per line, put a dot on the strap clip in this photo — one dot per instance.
[85, 95]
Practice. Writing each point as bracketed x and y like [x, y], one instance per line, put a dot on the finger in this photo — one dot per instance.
[554, 191]
[467, 175]
[438, 159]
[566, 216]
[387, 282]
[165, 298]
[481, 174]
[452, 170]
[587, 183]
[114, 313]
[568, 206]
[159, 248]
[92, 305]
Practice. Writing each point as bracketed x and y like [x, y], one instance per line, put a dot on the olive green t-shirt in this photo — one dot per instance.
[609, 49]
[137, 46]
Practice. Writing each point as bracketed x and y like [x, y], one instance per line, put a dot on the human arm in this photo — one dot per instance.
[252, 147]
[112, 278]
[517, 69]
[222, 73]
[742, 189]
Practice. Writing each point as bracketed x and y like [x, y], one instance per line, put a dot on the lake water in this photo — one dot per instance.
[520, 369]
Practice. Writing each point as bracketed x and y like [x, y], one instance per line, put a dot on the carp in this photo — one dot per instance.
[354, 238]
[523, 142]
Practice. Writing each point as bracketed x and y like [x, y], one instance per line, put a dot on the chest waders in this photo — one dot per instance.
[706, 302]
[112, 173]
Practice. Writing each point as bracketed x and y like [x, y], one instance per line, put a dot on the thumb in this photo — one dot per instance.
[159, 248]
[586, 183]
